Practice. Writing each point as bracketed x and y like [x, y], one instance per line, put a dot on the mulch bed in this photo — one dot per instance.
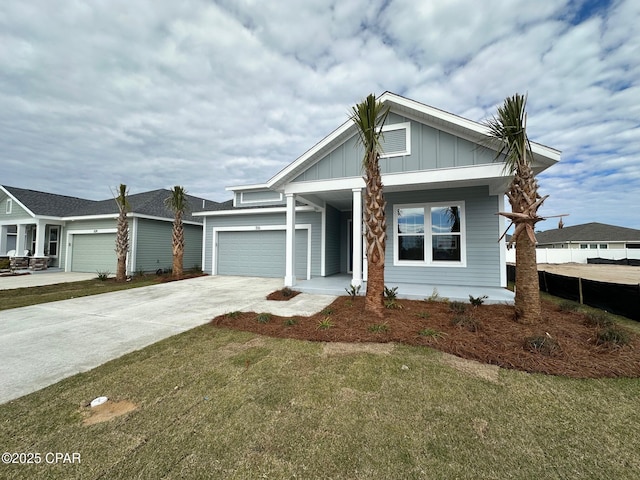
[185, 276]
[283, 295]
[497, 339]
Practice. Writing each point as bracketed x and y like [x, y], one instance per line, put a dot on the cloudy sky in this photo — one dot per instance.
[208, 94]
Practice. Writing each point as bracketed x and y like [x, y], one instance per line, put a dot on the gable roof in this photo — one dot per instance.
[589, 232]
[543, 156]
[147, 203]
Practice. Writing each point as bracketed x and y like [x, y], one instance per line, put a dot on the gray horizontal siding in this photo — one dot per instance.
[430, 149]
[312, 218]
[154, 249]
[482, 233]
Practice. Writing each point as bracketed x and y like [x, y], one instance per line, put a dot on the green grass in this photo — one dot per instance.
[23, 297]
[216, 403]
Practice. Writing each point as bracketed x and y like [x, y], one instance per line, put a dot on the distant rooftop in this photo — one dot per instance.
[589, 232]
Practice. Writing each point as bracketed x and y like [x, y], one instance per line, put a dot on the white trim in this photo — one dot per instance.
[323, 242]
[503, 243]
[248, 202]
[204, 243]
[133, 243]
[8, 206]
[428, 235]
[252, 228]
[406, 126]
[250, 211]
[290, 242]
[69, 242]
[358, 272]
[114, 216]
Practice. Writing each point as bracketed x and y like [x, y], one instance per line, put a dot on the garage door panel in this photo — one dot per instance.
[259, 253]
[93, 253]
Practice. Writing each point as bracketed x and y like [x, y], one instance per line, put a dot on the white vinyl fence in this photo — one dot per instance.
[575, 255]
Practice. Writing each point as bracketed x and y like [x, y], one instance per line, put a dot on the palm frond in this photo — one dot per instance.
[509, 129]
[369, 117]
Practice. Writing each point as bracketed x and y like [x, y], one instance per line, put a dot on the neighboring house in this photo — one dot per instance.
[442, 187]
[78, 235]
[590, 236]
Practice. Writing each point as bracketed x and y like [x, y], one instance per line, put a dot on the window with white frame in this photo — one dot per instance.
[429, 234]
[8, 206]
[396, 140]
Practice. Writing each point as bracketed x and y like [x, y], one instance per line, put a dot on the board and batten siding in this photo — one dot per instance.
[312, 218]
[482, 246]
[154, 248]
[430, 149]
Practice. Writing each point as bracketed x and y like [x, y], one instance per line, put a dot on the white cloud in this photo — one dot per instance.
[210, 94]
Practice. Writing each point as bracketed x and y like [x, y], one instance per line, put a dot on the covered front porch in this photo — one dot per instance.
[337, 285]
[33, 244]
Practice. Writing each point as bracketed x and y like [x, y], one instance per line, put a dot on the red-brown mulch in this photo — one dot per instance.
[283, 295]
[185, 276]
[498, 339]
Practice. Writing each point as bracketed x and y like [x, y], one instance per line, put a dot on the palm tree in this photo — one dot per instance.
[508, 127]
[369, 117]
[177, 202]
[122, 235]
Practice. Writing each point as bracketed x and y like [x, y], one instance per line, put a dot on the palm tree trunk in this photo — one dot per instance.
[122, 246]
[376, 235]
[178, 246]
[527, 301]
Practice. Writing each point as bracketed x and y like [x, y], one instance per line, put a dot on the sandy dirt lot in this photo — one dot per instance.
[602, 273]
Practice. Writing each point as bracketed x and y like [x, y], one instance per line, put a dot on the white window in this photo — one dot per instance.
[9, 206]
[430, 234]
[396, 140]
[52, 244]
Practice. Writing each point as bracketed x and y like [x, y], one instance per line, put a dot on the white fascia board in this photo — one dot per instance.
[106, 216]
[292, 167]
[255, 186]
[325, 185]
[251, 211]
[162, 219]
[22, 205]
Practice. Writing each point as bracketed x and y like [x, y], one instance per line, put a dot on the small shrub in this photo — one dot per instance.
[435, 297]
[378, 328]
[543, 344]
[4, 263]
[568, 306]
[424, 315]
[477, 301]
[613, 336]
[325, 324]
[598, 319]
[139, 273]
[431, 333]
[286, 292]
[327, 311]
[234, 314]
[392, 303]
[103, 275]
[288, 322]
[466, 322]
[390, 293]
[353, 291]
[263, 318]
[458, 307]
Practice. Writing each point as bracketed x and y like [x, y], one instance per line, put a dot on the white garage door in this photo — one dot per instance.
[94, 252]
[259, 253]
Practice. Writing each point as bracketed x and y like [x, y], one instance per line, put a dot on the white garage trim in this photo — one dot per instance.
[69, 254]
[253, 228]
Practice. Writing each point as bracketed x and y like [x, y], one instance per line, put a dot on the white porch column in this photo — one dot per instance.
[3, 239]
[290, 250]
[21, 240]
[40, 238]
[356, 224]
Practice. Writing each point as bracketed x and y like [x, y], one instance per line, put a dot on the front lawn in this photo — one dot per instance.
[217, 403]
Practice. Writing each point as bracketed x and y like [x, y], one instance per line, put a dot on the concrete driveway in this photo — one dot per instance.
[42, 344]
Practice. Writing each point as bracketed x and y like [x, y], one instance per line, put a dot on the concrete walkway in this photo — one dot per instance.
[36, 279]
[42, 344]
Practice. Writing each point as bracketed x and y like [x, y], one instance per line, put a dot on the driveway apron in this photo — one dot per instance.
[42, 344]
